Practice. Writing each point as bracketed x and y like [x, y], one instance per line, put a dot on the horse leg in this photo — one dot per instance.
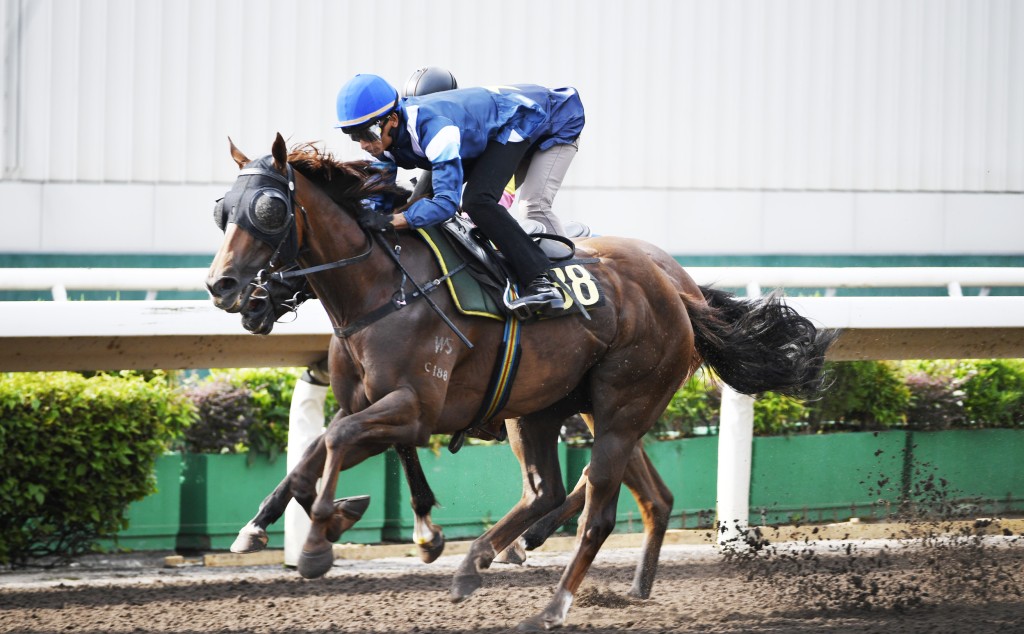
[299, 484]
[623, 412]
[349, 440]
[425, 534]
[534, 440]
[655, 502]
[536, 535]
[608, 461]
[653, 498]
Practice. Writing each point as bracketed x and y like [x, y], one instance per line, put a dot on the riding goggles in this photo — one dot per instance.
[370, 133]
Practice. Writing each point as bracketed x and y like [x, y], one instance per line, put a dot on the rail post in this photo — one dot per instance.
[735, 448]
[305, 424]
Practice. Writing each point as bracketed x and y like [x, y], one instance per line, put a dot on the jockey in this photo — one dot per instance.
[551, 165]
[474, 135]
[427, 81]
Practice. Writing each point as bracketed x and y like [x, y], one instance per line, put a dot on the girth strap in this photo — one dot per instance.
[502, 378]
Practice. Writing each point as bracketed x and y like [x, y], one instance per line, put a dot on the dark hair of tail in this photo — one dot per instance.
[760, 345]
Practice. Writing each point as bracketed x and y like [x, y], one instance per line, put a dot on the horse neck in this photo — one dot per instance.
[332, 235]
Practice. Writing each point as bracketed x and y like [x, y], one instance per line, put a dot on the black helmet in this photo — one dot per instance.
[429, 80]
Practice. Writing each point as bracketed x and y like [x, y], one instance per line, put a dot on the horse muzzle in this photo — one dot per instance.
[258, 315]
[228, 293]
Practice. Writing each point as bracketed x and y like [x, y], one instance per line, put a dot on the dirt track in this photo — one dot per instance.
[963, 585]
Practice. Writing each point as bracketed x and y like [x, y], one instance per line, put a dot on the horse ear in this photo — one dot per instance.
[236, 154]
[280, 152]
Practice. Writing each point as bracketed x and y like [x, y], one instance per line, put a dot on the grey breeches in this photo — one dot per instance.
[539, 181]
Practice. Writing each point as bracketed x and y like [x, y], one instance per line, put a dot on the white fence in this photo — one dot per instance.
[89, 335]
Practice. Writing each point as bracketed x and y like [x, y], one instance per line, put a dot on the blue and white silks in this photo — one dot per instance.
[439, 131]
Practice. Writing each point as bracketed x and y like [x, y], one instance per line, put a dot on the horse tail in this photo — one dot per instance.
[759, 345]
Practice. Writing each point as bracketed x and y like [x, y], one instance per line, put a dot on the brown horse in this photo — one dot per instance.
[396, 387]
[274, 298]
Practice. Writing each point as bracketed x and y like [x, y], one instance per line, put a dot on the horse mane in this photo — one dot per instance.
[344, 181]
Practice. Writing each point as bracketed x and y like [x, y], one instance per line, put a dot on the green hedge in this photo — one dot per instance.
[871, 396]
[244, 411]
[74, 452]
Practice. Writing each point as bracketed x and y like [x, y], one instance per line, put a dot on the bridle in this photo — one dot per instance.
[287, 257]
[283, 264]
[286, 239]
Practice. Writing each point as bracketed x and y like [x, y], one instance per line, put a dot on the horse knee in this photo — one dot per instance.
[600, 527]
[302, 486]
[337, 436]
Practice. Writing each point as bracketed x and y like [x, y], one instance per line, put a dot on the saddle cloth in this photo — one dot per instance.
[478, 287]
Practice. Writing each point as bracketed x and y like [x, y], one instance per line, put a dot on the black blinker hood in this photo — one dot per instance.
[257, 176]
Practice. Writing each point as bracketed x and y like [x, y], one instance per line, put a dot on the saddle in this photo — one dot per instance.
[482, 289]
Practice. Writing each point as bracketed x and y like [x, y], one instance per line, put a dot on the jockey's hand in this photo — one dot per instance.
[373, 220]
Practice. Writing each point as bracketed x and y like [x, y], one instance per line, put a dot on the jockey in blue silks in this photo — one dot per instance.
[474, 135]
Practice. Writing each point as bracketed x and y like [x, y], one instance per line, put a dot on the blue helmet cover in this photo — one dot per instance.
[364, 99]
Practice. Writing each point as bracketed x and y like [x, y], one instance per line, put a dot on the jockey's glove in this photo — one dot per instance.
[371, 219]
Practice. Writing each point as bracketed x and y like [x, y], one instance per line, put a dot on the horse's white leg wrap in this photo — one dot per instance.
[422, 533]
[250, 539]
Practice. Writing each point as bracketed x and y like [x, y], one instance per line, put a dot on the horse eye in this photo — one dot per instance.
[271, 213]
[220, 215]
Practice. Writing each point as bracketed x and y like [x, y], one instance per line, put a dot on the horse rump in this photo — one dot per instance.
[759, 345]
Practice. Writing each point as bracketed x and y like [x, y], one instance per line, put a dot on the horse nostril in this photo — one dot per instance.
[222, 286]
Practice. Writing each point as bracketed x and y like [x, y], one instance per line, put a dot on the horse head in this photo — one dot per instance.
[258, 219]
[264, 218]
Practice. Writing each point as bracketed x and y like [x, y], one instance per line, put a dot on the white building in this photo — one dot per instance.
[861, 130]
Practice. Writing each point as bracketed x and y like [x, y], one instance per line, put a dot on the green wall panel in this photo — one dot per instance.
[474, 489]
[153, 522]
[825, 478]
[979, 472]
[819, 478]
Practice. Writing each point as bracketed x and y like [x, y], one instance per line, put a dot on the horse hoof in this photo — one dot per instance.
[538, 623]
[637, 592]
[430, 551]
[347, 511]
[316, 564]
[353, 507]
[463, 586]
[250, 539]
[515, 554]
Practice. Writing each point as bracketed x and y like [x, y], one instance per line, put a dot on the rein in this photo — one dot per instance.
[283, 275]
